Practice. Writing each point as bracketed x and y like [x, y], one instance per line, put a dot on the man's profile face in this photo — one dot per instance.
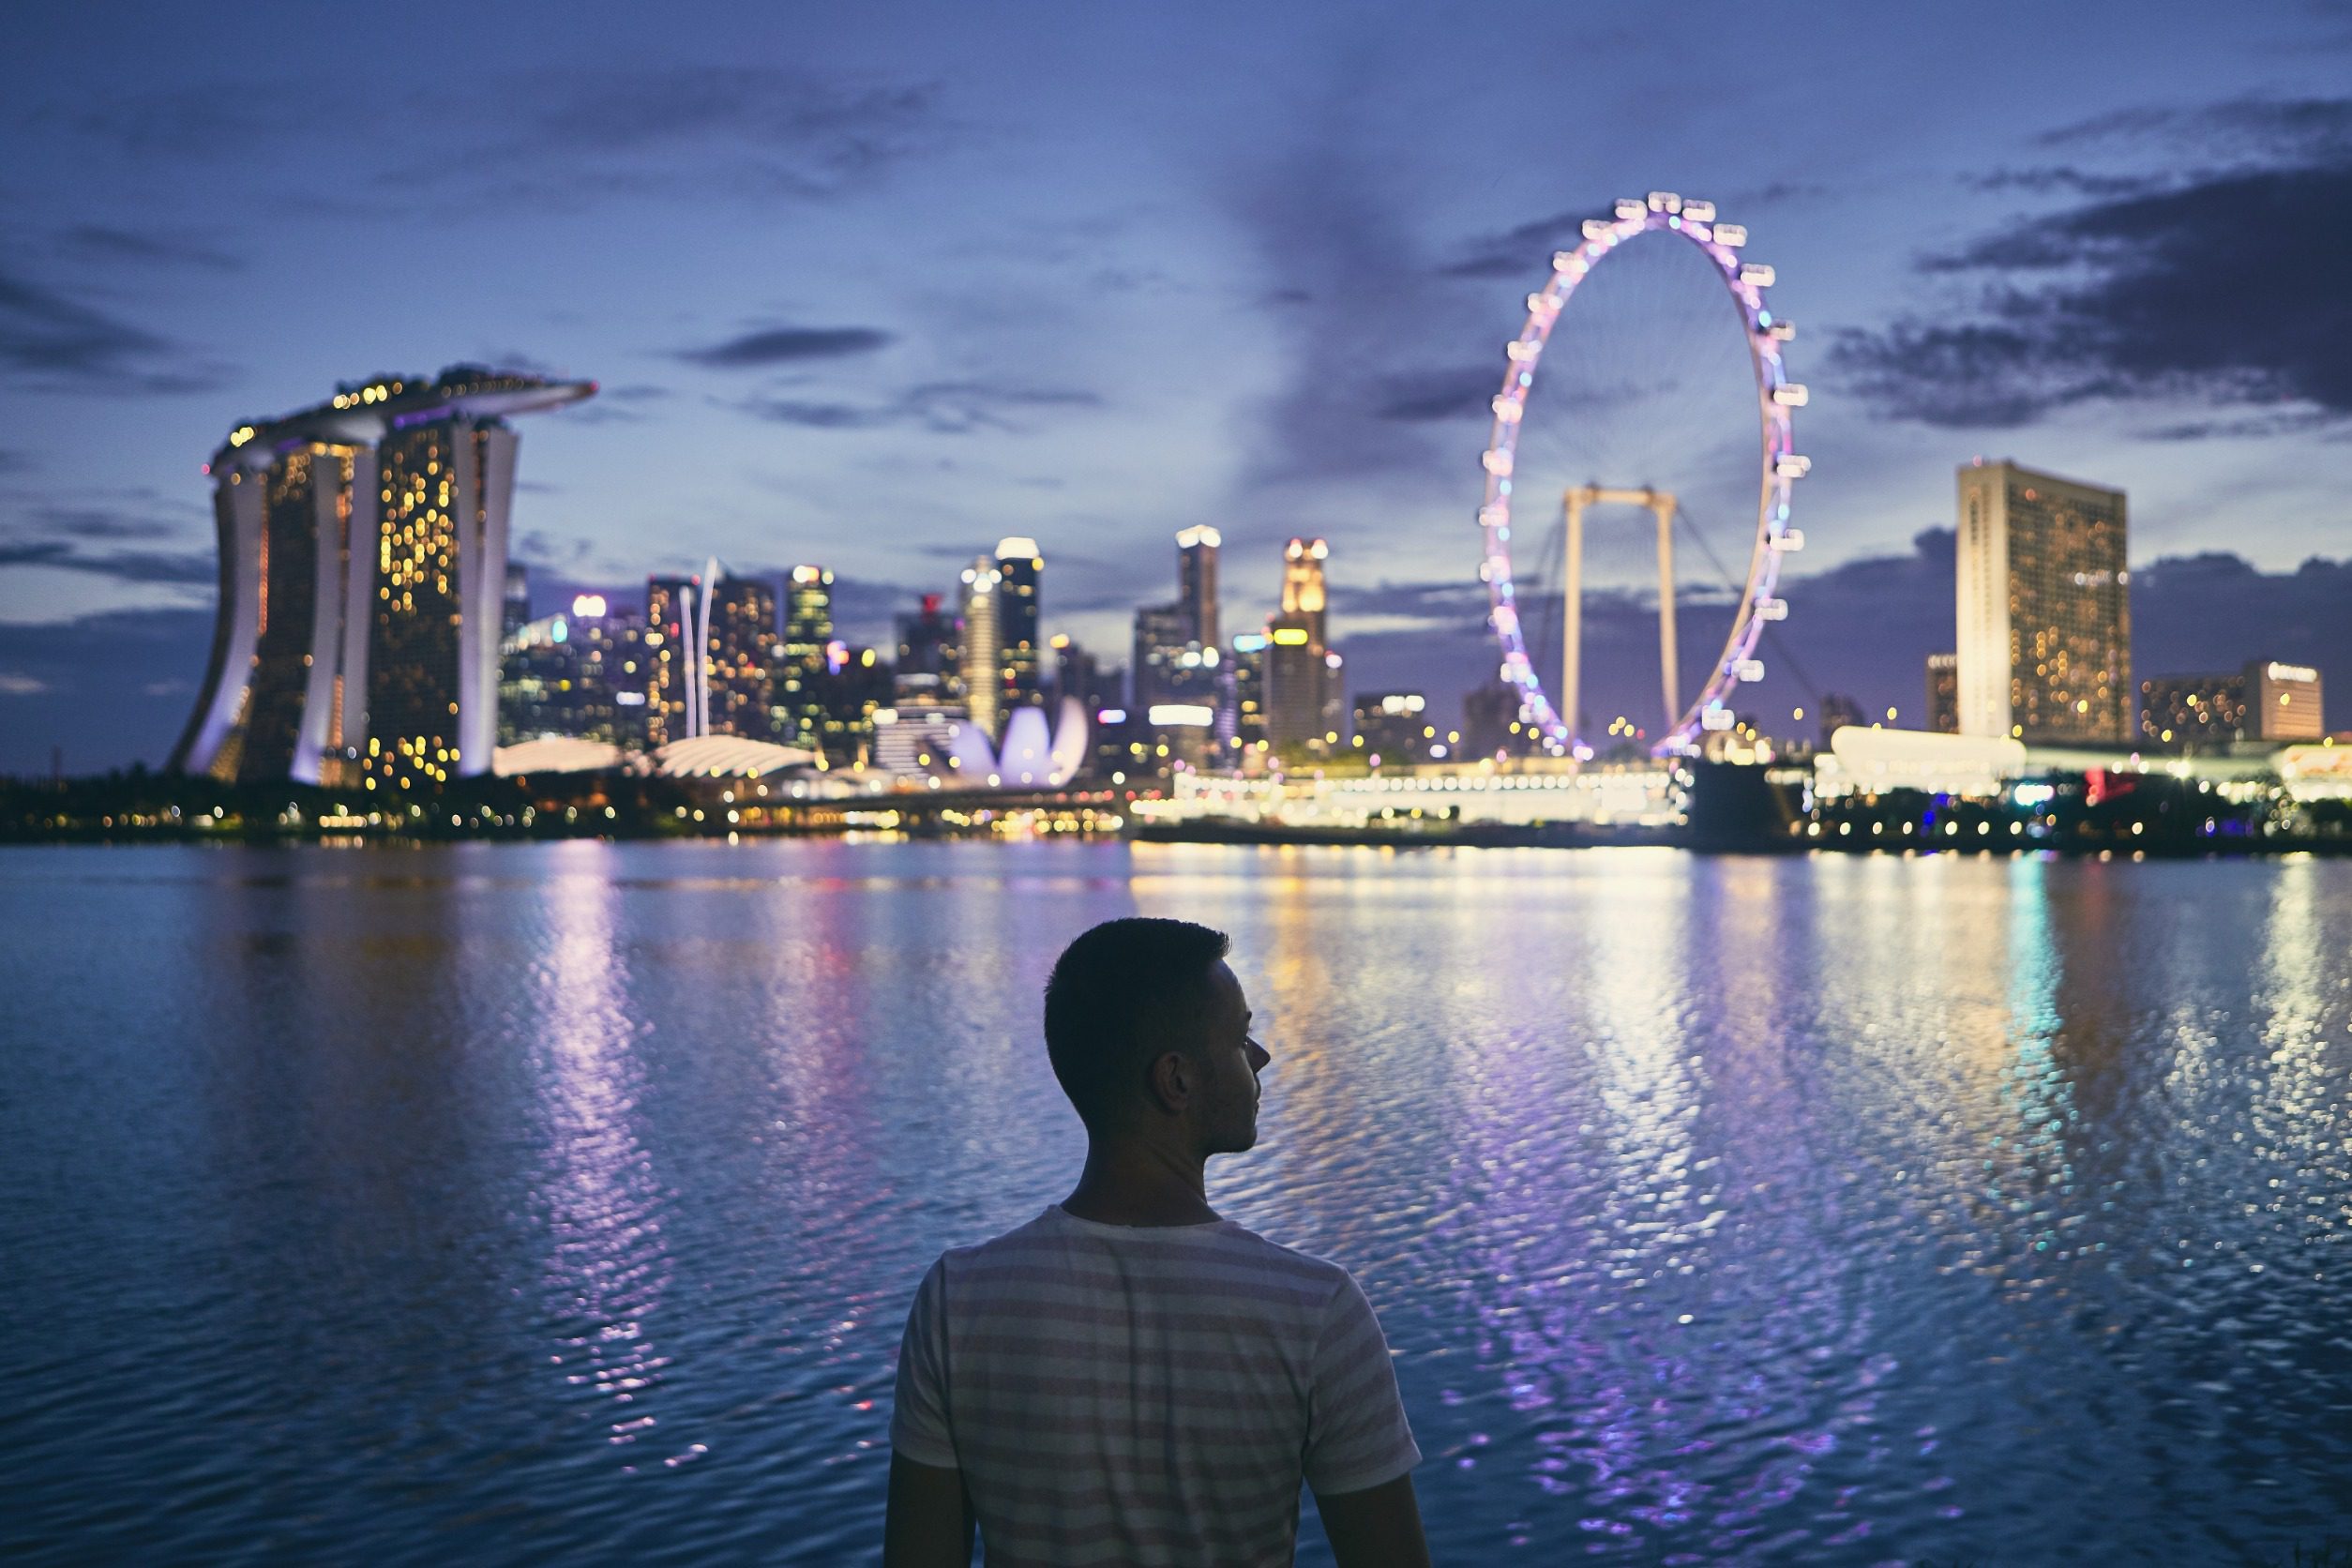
[1230, 1063]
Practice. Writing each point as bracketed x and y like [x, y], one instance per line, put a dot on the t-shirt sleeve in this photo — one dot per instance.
[1356, 1432]
[919, 1424]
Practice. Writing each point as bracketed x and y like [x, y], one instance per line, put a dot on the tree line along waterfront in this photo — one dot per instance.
[1716, 807]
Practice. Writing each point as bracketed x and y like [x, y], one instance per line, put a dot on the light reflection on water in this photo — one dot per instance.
[560, 1200]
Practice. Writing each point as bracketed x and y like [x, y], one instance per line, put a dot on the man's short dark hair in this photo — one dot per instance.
[1110, 1004]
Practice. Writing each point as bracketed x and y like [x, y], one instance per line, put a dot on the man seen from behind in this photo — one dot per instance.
[1129, 1378]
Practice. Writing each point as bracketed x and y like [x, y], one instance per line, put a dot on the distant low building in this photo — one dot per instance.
[1943, 694]
[1395, 726]
[2266, 701]
[1495, 722]
[1838, 711]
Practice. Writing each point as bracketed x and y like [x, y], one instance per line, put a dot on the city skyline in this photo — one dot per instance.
[1120, 349]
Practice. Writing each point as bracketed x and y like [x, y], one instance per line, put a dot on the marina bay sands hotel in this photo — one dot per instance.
[363, 566]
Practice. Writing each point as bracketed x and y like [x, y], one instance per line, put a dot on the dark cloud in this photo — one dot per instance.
[138, 519]
[616, 405]
[789, 345]
[1524, 251]
[2149, 295]
[1441, 602]
[210, 119]
[2217, 610]
[2269, 130]
[101, 242]
[2061, 180]
[1434, 395]
[59, 344]
[108, 689]
[1332, 207]
[168, 567]
[941, 408]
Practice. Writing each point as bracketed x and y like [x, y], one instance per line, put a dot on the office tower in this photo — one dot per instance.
[1079, 676]
[1018, 565]
[856, 685]
[1336, 721]
[1163, 634]
[1393, 726]
[797, 699]
[742, 653]
[807, 617]
[1838, 711]
[1196, 583]
[1303, 585]
[1294, 683]
[537, 669]
[1250, 686]
[2264, 700]
[982, 680]
[673, 613]
[363, 573]
[2045, 607]
[926, 641]
[1494, 722]
[1304, 705]
[601, 640]
[518, 602]
[1943, 693]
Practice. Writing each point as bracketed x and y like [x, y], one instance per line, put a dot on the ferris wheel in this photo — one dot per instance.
[1777, 467]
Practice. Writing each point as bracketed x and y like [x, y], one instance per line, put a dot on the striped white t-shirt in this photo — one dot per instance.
[1145, 1394]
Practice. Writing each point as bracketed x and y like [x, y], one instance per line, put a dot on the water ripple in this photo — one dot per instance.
[522, 1202]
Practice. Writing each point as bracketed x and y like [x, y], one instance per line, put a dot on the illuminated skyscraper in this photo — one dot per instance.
[363, 580]
[808, 617]
[1196, 582]
[671, 611]
[797, 697]
[743, 654]
[1163, 635]
[1018, 566]
[2044, 608]
[1303, 585]
[1249, 686]
[983, 682]
[518, 605]
[1301, 693]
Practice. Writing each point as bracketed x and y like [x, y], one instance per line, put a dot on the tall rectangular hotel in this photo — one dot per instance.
[2044, 608]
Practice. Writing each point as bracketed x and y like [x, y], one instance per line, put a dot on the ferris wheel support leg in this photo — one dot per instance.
[1572, 619]
[1669, 660]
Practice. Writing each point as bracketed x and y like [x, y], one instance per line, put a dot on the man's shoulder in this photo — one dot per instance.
[1302, 1266]
[1222, 1248]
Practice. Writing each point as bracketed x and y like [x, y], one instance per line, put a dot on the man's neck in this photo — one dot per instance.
[1128, 1184]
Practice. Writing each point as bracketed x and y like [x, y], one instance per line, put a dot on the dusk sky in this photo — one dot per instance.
[873, 286]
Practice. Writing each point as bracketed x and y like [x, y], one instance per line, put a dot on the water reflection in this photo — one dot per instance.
[1836, 1210]
[607, 1268]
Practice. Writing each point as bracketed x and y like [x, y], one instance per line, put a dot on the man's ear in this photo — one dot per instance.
[1172, 1079]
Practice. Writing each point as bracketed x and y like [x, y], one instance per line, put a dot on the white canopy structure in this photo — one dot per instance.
[554, 754]
[729, 757]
